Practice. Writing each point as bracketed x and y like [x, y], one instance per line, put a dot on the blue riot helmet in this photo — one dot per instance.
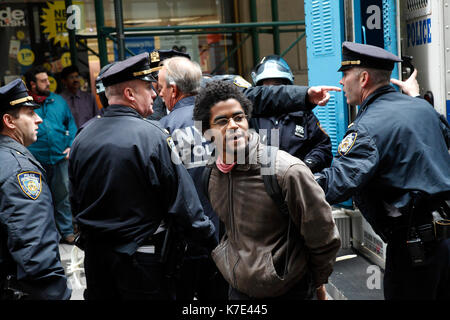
[99, 87]
[272, 67]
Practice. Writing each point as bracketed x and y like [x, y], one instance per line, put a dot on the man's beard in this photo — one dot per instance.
[43, 92]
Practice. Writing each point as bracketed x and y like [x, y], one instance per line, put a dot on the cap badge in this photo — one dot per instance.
[154, 56]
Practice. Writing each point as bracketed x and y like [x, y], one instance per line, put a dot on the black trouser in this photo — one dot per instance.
[303, 290]
[404, 281]
[118, 276]
[200, 278]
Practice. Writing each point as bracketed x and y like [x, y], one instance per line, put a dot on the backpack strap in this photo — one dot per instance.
[205, 180]
[274, 191]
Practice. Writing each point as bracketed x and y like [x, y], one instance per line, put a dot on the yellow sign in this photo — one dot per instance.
[25, 57]
[47, 66]
[66, 60]
[20, 35]
[53, 83]
[55, 21]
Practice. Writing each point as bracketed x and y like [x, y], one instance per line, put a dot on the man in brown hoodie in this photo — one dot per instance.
[263, 254]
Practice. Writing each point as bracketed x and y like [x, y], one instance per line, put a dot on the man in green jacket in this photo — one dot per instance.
[52, 147]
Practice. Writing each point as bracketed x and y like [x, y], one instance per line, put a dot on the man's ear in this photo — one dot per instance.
[128, 93]
[8, 121]
[175, 91]
[364, 78]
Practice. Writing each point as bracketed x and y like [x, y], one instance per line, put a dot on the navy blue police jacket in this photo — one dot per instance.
[394, 148]
[192, 147]
[125, 180]
[28, 236]
[300, 134]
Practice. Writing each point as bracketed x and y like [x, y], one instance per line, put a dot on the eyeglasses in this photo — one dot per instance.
[238, 119]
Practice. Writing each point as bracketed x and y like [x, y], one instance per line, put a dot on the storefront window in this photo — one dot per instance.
[207, 49]
[34, 33]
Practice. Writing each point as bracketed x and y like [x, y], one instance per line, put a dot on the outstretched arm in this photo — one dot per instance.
[278, 100]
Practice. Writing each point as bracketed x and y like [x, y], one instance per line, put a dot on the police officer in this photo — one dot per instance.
[30, 265]
[299, 133]
[156, 60]
[395, 163]
[127, 187]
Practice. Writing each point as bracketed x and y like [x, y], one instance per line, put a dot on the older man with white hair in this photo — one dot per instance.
[178, 84]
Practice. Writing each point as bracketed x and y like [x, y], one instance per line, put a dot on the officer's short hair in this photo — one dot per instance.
[213, 93]
[14, 112]
[184, 73]
[116, 89]
[377, 76]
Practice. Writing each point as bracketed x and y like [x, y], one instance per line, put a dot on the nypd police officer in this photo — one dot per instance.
[299, 133]
[395, 163]
[30, 265]
[126, 185]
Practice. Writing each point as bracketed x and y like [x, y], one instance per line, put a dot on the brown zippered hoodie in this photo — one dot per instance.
[251, 255]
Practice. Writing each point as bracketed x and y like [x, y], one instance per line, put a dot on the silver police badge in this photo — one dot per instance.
[347, 143]
[31, 183]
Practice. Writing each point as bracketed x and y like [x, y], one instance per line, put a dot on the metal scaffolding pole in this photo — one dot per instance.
[101, 37]
[254, 33]
[72, 40]
[119, 29]
[276, 29]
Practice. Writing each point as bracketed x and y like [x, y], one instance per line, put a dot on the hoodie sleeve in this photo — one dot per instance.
[312, 214]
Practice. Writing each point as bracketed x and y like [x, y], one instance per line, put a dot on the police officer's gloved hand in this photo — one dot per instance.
[312, 164]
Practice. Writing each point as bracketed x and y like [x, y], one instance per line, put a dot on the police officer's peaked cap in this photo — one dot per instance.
[15, 94]
[157, 56]
[364, 55]
[136, 67]
[98, 82]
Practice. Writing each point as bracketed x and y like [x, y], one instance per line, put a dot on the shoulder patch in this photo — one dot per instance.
[241, 82]
[347, 143]
[31, 183]
[322, 129]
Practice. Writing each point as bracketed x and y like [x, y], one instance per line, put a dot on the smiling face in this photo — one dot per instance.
[230, 122]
